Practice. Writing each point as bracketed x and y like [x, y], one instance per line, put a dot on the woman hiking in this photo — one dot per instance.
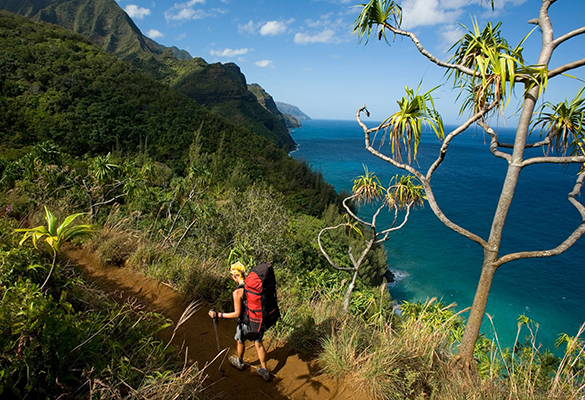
[238, 272]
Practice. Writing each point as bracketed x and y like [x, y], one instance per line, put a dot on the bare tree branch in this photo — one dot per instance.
[554, 160]
[350, 212]
[453, 134]
[333, 264]
[567, 67]
[571, 239]
[494, 142]
[386, 232]
[568, 35]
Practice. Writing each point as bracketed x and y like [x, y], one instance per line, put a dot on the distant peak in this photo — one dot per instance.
[296, 112]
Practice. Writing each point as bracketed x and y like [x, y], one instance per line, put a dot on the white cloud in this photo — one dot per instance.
[184, 14]
[270, 28]
[328, 28]
[273, 28]
[434, 12]
[136, 12]
[448, 35]
[153, 34]
[324, 21]
[230, 53]
[249, 27]
[429, 12]
[326, 36]
[185, 11]
[265, 63]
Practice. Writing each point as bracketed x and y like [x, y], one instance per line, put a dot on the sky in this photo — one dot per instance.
[303, 52]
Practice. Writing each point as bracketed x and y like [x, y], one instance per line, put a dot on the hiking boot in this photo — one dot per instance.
[236, 362]
[263, 372]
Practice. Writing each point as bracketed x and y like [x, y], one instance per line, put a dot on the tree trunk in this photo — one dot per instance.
[350, 290]
[491, 249]
[490, 263]
[475, 319]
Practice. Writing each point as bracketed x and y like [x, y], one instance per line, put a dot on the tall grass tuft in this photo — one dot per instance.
[184, 384]
[527, 372]
[393, 361]
[116, 241]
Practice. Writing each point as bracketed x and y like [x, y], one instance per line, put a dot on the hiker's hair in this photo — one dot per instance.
[239, 269]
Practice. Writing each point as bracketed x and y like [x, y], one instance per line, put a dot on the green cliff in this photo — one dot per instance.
[220, 88]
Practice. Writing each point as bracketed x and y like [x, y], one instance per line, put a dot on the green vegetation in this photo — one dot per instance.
[70, 339]
[220, 88]
[174, 191]
[58, 88]
[170, 187]
[54, 236]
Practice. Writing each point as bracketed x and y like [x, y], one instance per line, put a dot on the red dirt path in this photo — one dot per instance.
[294, 377]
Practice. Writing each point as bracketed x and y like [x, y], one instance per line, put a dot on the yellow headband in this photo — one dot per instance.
[238, 268]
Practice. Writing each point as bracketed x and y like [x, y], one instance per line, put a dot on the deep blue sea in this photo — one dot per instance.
[429, 260]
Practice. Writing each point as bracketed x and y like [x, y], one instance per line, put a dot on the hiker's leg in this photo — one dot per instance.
[261, 353]
[240, 348]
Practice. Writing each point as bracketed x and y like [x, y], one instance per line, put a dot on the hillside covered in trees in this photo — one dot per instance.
[58, 87]
[221, 88]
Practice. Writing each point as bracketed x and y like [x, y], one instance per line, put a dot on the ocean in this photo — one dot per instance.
[430, 260]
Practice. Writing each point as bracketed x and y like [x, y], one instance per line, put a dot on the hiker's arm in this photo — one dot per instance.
[237, 307]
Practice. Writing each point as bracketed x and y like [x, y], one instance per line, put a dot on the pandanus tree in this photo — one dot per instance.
[486, 70]
[402, 194]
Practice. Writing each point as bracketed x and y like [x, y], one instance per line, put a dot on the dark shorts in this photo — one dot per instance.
[243, 333]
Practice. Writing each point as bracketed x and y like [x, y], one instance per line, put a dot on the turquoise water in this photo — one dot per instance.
[430, 260]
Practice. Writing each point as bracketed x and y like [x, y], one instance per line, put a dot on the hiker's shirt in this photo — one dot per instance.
[243, 305]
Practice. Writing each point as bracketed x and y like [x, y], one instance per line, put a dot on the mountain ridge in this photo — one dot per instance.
[268, 103]
[292, 110]
[221, 88]
[59, 89]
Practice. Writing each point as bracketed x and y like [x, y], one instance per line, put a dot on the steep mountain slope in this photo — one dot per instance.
[268, 103]
[221, 88]
[103, 22]
[57, 86]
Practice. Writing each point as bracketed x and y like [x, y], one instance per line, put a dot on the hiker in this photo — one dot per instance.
[237, 272]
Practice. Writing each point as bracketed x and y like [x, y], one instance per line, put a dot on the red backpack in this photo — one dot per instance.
[260, 299]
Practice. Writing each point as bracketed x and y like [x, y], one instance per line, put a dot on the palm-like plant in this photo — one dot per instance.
[367, 187]
[472, 45]
[102, 167]
[377, 13]
[54, 235]
[495, 64]
[351, 226]
[564, 123]
[404, 127]
[405, 191]
[241, 252]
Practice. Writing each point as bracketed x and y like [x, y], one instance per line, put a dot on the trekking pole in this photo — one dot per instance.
[215, 322]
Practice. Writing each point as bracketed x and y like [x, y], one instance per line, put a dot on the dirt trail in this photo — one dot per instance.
[293, 376]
